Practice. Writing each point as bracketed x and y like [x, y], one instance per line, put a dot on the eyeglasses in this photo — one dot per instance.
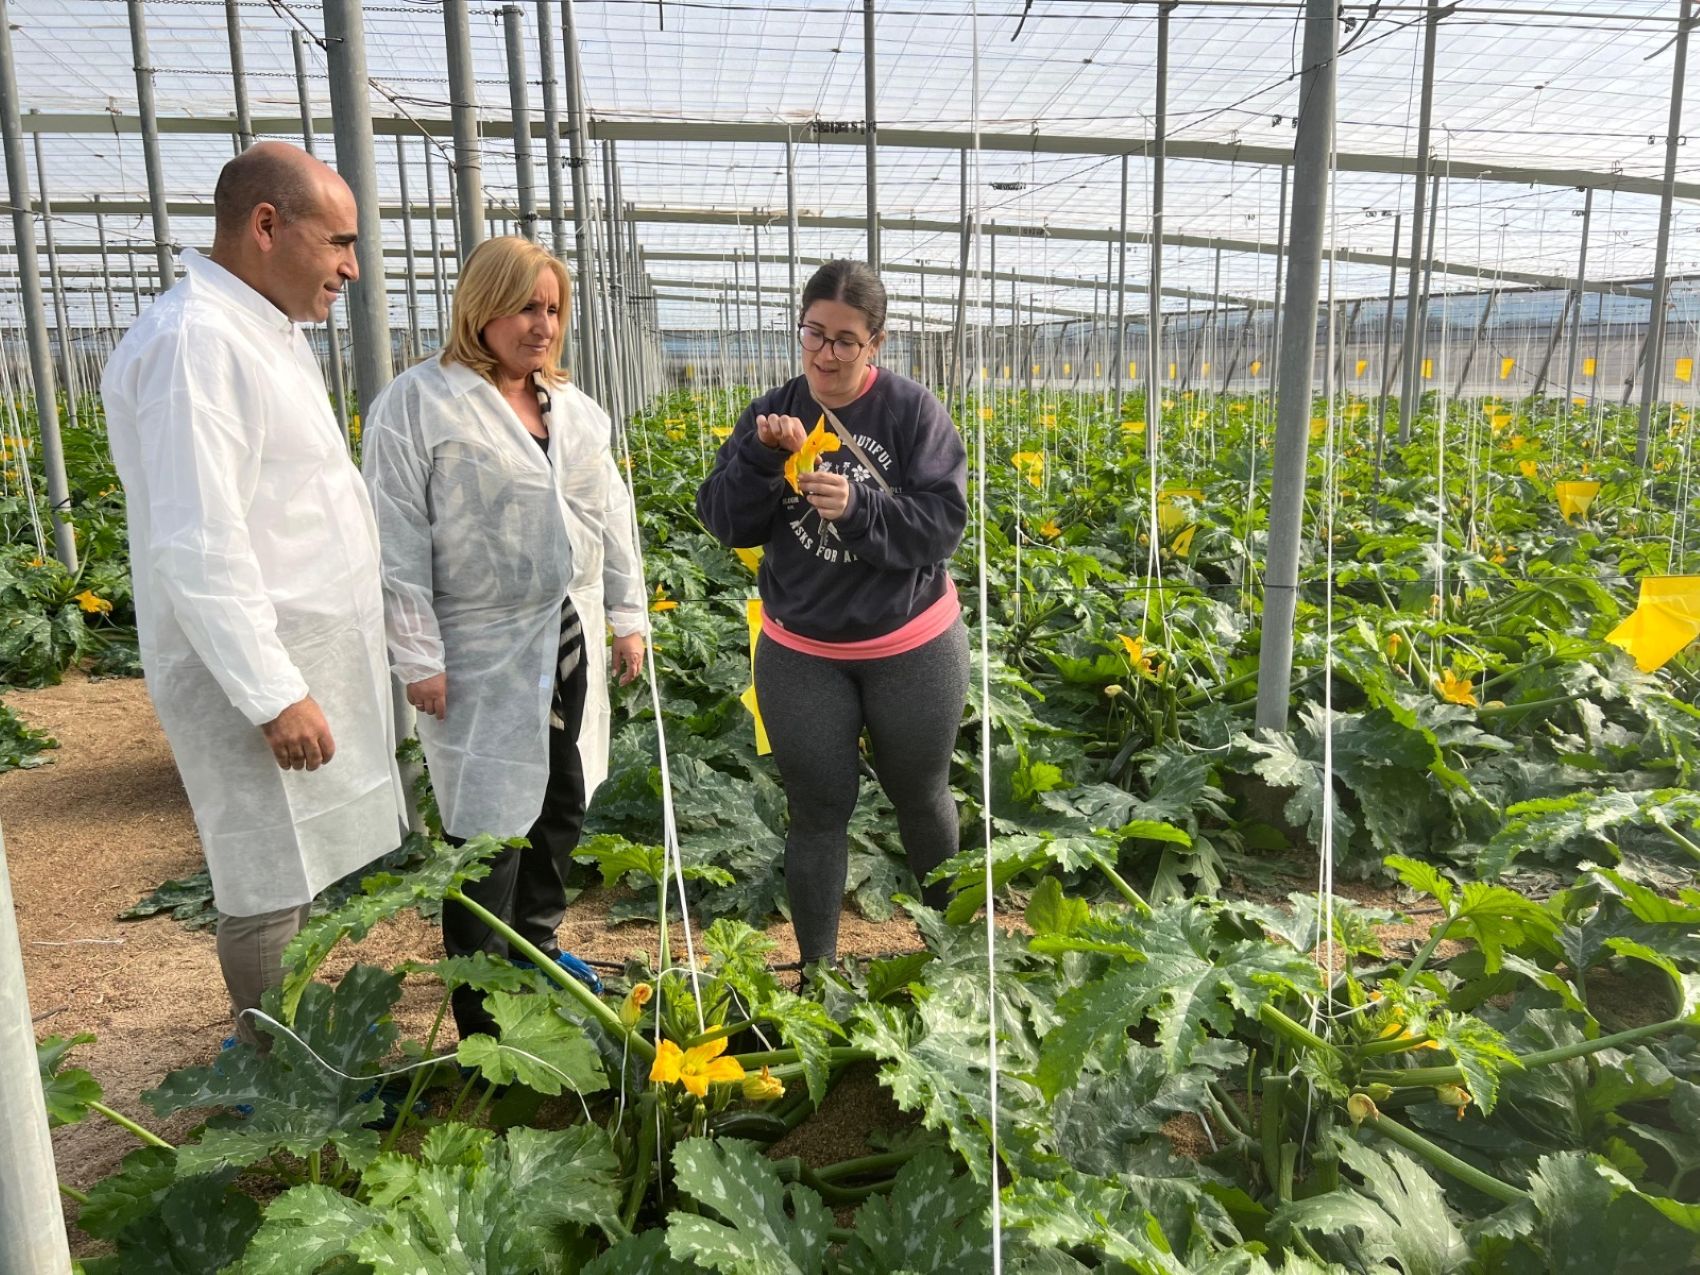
[844, 349]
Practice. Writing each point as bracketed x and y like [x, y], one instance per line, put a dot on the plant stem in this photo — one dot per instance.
[1445, 1161]
[315, 1166]
[719, 1033]
[71, 1193]
[577, 991]
[1564, 1053]
[1292, 1031]
[842, 1194]
[124, 1122]
[417, 1084]
[1127, 892]
[1681, 842]
[1494, 710]
[1427, 950]
[1271, 1117]
[777, 1057]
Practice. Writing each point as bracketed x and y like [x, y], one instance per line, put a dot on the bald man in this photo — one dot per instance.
[255, 560]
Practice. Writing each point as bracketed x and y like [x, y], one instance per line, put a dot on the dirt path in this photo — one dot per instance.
[105, 822]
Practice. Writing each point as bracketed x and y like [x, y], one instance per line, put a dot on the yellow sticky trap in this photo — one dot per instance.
[1575, 497]
[1685, 370]
[1318, 426]
[752, 612]
[1256, 366]
[1097, 369]
[1361, 365]
[1133, 369]
[751, 558]
[1428, 369]
[689, 371]
[1172, 370]
[1666, 619]
[1587, 367]
[1067, 369]
[1505, 366]
[1035, 369]
[1006, 371]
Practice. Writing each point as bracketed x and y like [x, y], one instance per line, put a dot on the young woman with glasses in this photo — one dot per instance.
[854, 480]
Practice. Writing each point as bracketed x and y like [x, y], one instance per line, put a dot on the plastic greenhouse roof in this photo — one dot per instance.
[1549, 84]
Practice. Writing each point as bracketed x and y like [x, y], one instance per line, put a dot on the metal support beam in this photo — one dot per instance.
[1121, 302]
[105, 271]
[959, 339]
[411, 281]
[463, 108]
[61, 317]
[869, 127]
[519, 105]
[1154, 312]
[41, 364]
[1297, 362]
[238, 76]
[552, 128]
[333, 338]
[369, 320]
[1411, 388]
[585, 368]
[1654, 376]
[437, 269]
[791, 221]
[1574, 355]
[1475, 343]
[32, 1225]
[149, 125]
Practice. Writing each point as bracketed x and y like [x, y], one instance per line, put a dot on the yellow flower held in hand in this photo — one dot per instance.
[93, 603]
[1456, 690]
[762, 1087]
[695, 1068]
[819, 442]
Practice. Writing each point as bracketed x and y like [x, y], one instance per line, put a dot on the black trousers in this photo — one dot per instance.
[527, 887]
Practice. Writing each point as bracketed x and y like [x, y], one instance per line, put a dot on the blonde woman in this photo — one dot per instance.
[507, 551]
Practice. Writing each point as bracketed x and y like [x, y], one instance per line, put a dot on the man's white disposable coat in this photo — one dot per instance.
[255, 559]
[483, 536]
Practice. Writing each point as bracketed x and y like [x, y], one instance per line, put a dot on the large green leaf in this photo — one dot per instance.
[537, 1047]
[1399, 1215]
[201, 1224]
[1593, 1219]
[68, 1091]
[751, 1230]
[932, 1220]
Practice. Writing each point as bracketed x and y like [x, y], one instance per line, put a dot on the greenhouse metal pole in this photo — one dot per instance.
[333, 337]
[29, 294]
[791, 218]
[1280, 274]
[150, 145]
[238, 77]
[463, 109]
[519, 105]
[761, 341]
[351, 113]
[436, 243]
[1653, 377]
[105, 269]
[1570, 364]
[869, 85]
[1476, 340]
[409, 284]
[1387, 343]
[1552, 345]
[1154, 320]
[1297, 363]
[32, 1223]
[552, 130]
[61, 317]
[1411, 386]
[959, 342]
[586, 368]
[1121, 303]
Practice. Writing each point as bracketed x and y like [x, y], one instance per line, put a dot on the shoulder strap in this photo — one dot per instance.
[856, 449]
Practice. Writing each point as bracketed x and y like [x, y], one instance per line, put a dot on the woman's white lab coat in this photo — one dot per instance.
[482, 535]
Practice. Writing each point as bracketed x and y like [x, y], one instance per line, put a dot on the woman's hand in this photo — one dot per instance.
[430, 696]
[782, 433]
[628, 658]
[827, 493]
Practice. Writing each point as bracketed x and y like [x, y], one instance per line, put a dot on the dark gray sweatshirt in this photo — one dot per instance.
[884, 561]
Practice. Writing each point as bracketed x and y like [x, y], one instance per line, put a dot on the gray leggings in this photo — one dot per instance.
[815, 709]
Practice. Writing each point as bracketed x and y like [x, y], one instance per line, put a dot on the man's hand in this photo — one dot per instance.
[430, 696]
[827, 493]
[782, 433]
[628, 658]
[300, 737]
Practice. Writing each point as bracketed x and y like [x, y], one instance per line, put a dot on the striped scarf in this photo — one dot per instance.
[570, 653]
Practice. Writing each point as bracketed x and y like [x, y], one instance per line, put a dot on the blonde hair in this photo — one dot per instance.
[496, 281]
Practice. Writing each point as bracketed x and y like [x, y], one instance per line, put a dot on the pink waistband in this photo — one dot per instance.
[916, 633]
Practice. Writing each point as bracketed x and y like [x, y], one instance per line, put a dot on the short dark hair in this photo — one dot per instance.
[852, 282]
[261, 175]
